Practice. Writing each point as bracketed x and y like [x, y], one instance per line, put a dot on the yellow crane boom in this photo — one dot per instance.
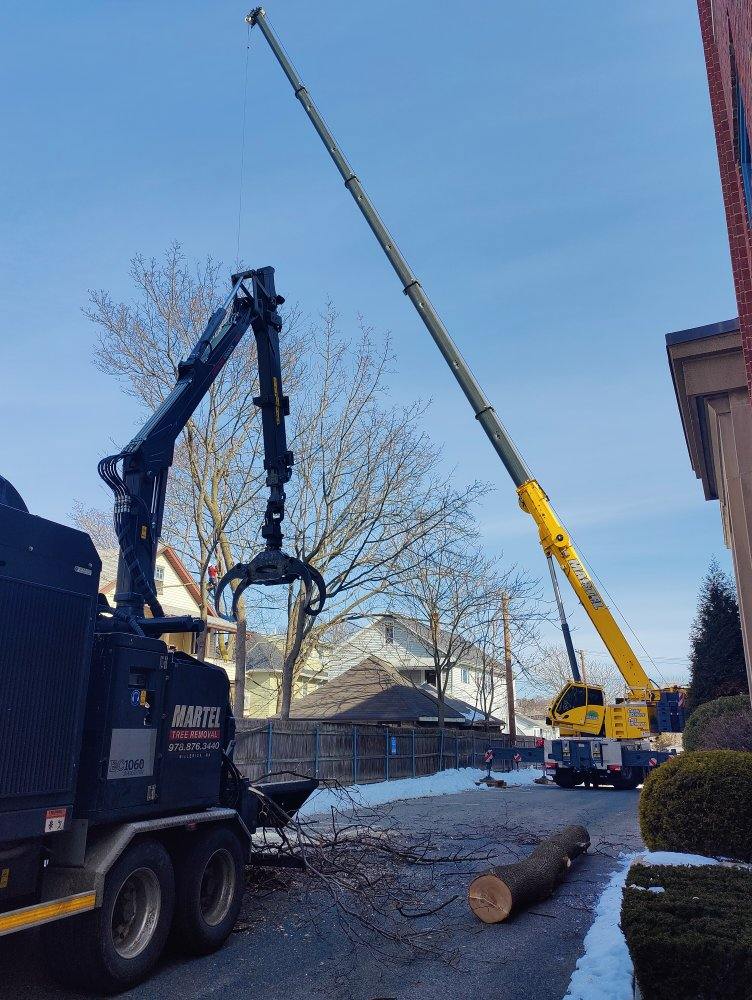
[556, 542]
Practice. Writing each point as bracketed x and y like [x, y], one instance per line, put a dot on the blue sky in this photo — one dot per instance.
[548, 169]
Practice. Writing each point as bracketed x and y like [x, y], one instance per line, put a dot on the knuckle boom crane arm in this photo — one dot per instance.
[138, 474]
[660, 708]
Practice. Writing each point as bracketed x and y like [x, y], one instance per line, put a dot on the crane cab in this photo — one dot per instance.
[580, 709]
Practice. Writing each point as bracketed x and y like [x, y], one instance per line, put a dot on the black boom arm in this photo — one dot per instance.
[138, 474]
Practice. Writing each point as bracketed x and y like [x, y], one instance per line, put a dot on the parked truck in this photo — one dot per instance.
[123, 818]
[590, 761]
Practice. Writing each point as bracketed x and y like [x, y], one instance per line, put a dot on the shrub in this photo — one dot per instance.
[700, 802]
[693, 940]
[721, 724]
[695, 737]
[731, 731]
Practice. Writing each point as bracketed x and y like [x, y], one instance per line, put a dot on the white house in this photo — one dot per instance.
[405, 644]
[179, 594]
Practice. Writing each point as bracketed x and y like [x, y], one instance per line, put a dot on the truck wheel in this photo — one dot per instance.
[117, 945]
[565, 777]
[628, 779]
[209, 886]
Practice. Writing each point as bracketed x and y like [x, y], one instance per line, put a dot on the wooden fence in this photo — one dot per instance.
[358, 754]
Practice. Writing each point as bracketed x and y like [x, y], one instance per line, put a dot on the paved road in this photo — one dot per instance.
[286, 954]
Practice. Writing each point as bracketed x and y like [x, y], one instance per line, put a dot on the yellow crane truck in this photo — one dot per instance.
[602, 733]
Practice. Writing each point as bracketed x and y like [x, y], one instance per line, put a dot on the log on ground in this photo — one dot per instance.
[496, 894]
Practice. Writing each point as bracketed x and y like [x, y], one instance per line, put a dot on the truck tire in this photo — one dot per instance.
[209, 886]
[628, 778]
[116, 946]
[565, 777]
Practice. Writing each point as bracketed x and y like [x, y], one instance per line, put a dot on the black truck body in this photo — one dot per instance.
[122, 815]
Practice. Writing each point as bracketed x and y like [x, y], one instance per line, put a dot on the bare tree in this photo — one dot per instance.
[455, 593]
[550, 671]
[525, 612]
[364, 491]
[365, 503]
[96, 523]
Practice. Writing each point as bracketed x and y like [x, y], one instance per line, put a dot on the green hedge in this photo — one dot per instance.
[701, 803]
[693, 941]
[695, 729]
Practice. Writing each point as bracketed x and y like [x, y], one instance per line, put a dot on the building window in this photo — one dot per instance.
[741, 140]
[431, 677]
[159, 578]
[465, 675]
[388, 632]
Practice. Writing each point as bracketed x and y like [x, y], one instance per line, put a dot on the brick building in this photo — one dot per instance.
[712, 365]
[726, 27]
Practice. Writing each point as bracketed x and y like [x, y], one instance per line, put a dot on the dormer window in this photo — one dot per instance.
[388, 632]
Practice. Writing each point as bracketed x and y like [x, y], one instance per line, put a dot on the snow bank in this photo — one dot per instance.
[444, 783]
[605, 970]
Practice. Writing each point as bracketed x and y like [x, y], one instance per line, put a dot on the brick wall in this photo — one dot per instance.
[726, 25]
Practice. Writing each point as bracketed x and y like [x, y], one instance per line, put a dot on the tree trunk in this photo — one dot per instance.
[202, 637]
[240, 655]
[295, 626]
[497, 893]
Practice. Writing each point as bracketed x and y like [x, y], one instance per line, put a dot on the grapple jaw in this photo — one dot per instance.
[272, 568]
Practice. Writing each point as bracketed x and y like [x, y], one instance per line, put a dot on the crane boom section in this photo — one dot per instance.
[532, 497]
[556, 542]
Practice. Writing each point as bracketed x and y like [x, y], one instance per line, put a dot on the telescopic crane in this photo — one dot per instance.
[580, 708]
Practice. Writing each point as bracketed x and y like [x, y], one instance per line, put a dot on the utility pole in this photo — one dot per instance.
[508, 664]
[583, 670]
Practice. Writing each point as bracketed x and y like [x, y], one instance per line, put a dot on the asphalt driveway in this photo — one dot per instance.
[291, 947]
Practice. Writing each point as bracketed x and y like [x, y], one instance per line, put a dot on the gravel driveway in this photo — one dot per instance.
[293, 949]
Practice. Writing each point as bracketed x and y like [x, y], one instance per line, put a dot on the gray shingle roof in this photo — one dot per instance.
[263, 654]
[470, 713]
[471, 654]
[371, 691]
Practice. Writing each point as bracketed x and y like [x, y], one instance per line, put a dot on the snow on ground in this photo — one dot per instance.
[605, 970]
[376, 794]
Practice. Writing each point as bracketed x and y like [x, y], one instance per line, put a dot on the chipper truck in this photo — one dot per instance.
[609, 743]
[123, 818]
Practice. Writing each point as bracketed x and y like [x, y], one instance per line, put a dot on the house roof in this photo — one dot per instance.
[371, 691]
[701, 332]
[469, 712]
[108, 579]
[471, 654]
[266, 652]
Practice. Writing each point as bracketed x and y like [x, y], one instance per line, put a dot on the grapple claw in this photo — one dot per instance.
[271, 568]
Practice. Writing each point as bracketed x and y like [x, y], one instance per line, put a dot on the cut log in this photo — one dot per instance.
[497, 893]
